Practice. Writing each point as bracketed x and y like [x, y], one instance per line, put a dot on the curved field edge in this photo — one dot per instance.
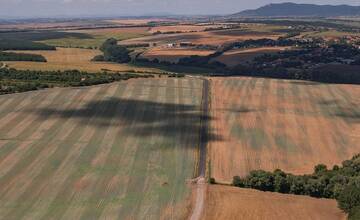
[117, 151]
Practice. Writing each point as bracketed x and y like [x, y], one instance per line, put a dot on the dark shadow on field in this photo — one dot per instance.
[241, 110]
[350, 114]
[140, 118]
[348, 111]
[43, 35]
[303, 82]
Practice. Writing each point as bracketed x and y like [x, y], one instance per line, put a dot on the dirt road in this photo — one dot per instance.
[204, 135]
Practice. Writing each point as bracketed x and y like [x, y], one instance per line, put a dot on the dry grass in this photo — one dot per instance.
[71, 58]
[291, 125]
[173, 54]
[240, 56]
[224, 202]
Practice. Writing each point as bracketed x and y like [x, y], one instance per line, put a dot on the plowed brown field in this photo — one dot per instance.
[230, 203]
[291, 125]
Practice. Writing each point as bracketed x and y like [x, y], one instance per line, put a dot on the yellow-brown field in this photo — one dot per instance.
[292, 125]
[239, 56]
[72, 58]
[208, 37]
[173, 54]
[94, 38]
[230, 203]
[138, 21]
[182, 28]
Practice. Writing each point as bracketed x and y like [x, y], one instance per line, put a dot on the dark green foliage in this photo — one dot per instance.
[98, 58]
[42, 35]
[341, 183]
[16, 44]
[212, 180]
[354, 213]
[8, 56]
[114, 52]
[12, 80]
[349, 197]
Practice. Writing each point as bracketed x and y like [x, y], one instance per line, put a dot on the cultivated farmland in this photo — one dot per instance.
[173, 54]
[206, 37]
[71, 58]
[116, 151]
[291, 125]
[93, 38]
[240, 56]
[225, 202]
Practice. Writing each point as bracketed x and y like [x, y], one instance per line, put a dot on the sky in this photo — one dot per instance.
[80, 8]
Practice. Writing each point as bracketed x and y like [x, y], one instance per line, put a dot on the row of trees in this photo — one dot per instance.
[12, 80]
[341, 183]
[9, 56]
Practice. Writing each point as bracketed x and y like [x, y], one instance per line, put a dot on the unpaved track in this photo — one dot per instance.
[200, 181]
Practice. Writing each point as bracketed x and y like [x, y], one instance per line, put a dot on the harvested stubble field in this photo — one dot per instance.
[291, 125]
[239, 56]
[72, 58]
[116, 151]
[95, 37]
[173, 54]
[224, 202]
[183, 28]
[208, 37]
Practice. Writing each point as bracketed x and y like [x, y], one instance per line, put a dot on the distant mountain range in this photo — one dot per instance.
[301, 10]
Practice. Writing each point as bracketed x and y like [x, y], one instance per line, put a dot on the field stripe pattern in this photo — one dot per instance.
[117, 151]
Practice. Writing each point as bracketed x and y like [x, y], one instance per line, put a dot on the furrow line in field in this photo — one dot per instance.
[35, 161]
[93, 137]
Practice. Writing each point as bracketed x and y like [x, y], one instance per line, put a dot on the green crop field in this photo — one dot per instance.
[116, 151]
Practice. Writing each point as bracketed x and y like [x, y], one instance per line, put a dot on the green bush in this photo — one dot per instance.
[341, 183]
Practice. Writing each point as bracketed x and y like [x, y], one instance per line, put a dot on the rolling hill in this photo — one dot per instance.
[303, 10]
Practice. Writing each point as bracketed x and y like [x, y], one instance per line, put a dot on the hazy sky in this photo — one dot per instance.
[53, 8]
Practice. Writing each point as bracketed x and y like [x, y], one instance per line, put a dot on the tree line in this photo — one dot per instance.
[10, 56]
[14, 44]
[341, 183]
[12, 80]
